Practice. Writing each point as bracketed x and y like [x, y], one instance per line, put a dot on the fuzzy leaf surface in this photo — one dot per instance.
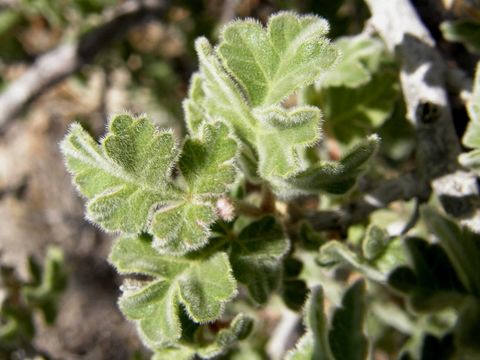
[202, 286]
[333, 177]
[272, 63]
[281, 137]
[129, 185]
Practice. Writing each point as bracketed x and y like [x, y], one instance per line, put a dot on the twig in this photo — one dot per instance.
[423, 79]
[54, 66]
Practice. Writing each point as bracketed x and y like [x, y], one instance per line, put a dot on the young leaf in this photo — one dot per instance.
[128, 179]
[256, 256]
[201, 285]
[45, 292]
[333, 177]
[282, 136]
[272, 63]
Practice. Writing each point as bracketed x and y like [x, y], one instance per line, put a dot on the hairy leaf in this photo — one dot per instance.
[272, 63]
[333, 177]
[281, 137]
[201, 285]
[128, 179]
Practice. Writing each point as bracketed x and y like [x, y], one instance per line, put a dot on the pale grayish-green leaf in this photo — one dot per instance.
[333, 177]
[272, 63]
[282, 136]
[360, 57]
[202, 286]
[130, 188]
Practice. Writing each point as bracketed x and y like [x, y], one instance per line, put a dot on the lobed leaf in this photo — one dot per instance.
[272, 63]
[201, 285]
[129, 184]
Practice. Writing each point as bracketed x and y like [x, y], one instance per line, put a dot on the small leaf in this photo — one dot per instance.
[346, 337]
[272, 63]
[351, 113]
[256, 256]
[461, 245]
[314, 344]
[432, 284]
[466, 32]
[333, 177]
[360, 57]
[374, 243]
[202, 286]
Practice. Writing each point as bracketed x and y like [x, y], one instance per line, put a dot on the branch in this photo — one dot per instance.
[57, 64]
[423, 79]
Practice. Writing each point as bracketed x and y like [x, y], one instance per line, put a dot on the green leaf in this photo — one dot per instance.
[272, 63]
[461, 245]
[346, 337]
[256, 256]
[471, 138]
[431, 282]
[333, 177]
[223, 97]
[374, 243]
[282, 136]
[360, 56]
[129, 184]
[380, 254]
[201, 285]
[351, 113]
[239, 329]
[45, 293]
[314, 344]
[466, 32]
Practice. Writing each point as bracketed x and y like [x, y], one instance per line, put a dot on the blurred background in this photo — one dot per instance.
[83, 60]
